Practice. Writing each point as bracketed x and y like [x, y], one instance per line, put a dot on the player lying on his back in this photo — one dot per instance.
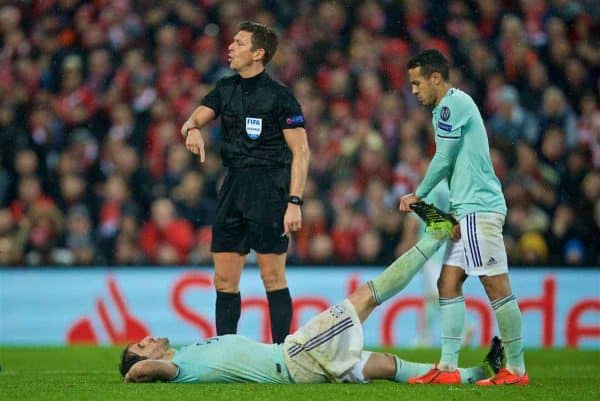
[329, 348]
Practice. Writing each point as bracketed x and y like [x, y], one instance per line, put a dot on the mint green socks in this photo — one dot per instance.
[452, 312]
[405, 370]
[472, 374]
[393, 279]
[508, 316]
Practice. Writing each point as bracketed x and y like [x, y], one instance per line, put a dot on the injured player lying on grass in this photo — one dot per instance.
[328, 349]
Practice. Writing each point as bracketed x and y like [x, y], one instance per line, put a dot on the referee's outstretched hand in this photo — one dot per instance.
[195, 143]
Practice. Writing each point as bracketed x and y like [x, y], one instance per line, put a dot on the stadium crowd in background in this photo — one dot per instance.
[92, 94]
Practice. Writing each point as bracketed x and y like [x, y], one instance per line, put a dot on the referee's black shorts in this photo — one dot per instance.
[250, 209]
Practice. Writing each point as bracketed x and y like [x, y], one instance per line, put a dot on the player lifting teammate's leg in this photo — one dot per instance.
[462, 157]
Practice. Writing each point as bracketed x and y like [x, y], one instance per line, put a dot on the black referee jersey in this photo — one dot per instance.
[254, 112]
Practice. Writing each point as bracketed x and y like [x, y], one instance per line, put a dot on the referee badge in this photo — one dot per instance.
[253, 127]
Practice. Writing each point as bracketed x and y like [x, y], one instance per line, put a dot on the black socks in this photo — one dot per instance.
[228, 309]
[227, 314]
[280, 308]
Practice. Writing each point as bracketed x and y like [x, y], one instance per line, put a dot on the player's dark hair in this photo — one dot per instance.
[263, 37]
[128, 359]
[430, 61]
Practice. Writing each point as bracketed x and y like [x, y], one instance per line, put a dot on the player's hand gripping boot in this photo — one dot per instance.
[435, 219]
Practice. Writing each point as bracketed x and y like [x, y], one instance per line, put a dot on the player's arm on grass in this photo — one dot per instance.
[151, 370]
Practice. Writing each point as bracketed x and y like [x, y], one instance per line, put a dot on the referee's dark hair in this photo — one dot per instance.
[263, 37]
[430, 61]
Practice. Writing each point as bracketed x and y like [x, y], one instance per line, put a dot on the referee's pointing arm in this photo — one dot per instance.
[191, 129]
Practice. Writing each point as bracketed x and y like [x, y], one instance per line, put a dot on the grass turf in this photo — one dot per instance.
[90, 373]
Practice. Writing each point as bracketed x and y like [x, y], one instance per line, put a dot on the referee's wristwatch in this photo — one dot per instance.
[296, 200]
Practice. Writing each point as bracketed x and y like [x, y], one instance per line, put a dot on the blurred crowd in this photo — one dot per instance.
[93, 170]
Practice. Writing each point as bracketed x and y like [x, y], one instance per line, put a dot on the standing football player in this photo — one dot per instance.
[462, 156]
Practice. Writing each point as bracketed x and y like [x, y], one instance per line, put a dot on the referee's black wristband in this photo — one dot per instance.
[187, 131]
[296, 200]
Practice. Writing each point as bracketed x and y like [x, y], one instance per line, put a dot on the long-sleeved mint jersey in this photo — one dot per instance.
[462, 156]
[231, 359]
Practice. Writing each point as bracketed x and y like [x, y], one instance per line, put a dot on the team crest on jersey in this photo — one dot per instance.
[253, 127]
[445, 113]
[337, 310]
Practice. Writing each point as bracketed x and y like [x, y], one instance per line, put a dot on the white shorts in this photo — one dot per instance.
[329, 348]
[431, 272]
[480, 250]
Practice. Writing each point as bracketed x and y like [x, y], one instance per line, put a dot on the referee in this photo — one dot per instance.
[265, 150]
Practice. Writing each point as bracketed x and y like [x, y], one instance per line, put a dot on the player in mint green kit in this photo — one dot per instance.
[328, 349]
[462, 157]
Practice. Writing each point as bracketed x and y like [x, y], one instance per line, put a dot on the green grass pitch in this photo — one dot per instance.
[90, 373]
